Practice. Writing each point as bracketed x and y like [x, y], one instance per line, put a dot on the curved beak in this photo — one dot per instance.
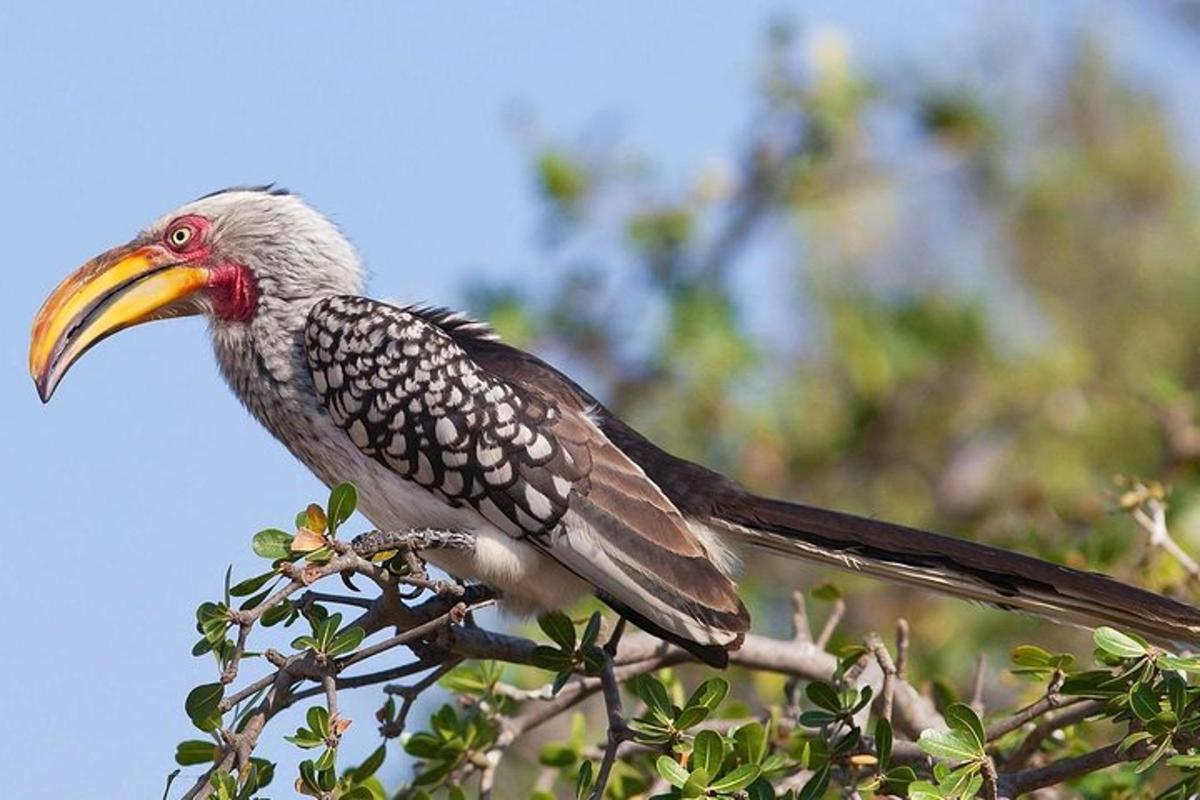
[126, 286]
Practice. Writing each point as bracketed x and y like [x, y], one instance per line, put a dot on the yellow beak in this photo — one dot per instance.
[121, 288]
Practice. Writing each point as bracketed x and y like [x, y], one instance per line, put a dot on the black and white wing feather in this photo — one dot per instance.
[523, 451]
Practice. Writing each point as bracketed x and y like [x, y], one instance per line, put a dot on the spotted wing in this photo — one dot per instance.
[403, 385]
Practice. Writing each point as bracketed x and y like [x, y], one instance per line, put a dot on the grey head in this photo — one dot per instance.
[251, 260]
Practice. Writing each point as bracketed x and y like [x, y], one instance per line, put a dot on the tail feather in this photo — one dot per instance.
[958, 567]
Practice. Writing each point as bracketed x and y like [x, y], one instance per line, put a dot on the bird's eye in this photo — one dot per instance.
[179, 237]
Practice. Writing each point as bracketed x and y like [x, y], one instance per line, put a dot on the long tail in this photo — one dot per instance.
[957, 567]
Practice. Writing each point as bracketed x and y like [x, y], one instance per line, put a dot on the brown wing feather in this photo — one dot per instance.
[441, 407]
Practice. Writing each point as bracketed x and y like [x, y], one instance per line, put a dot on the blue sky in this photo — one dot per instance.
[128, 495]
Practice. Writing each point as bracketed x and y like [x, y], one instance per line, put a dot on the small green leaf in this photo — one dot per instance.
[559, 628]
[591, 631]
[709, 694]
[654, 694]
[961, 717]
[1143, 702]
[423, 745]
[318, 721]
[883, 742]
[950, 745]
[823, 696]
[816, 785]
[708, 751]
[346, 641]
[326, 760]
[557, 755]
[369, 766]
[818, 719]
[203, 701]
[736, 780]
[827, 591]
[1027, 655]
[1152, 759]
[551, 658]
[691, 716]
[923, 790]
[342, 502]
[584, 781]
[273, 543]
[196, 751]
[695, 785]
[750, 742]
[1118, 644]
[252, 585]
[671, 772]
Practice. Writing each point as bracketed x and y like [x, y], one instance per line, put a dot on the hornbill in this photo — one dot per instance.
[441, 425]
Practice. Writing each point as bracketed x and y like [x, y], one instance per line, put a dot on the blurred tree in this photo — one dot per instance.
[962, 306]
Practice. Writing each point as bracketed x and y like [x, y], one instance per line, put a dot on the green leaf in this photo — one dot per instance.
[369, 766]
[326, 760]
[950, 745]
[923, 790]
[559, 628]
[691, 716]
[357, 793]
[827, 591]
[709, 694]
[654, 694]
[818, 719]
[196, 751]
[318, 721]
[883, 742]
[252, 585]
[816, 785]
[823, 696]
[1184, 762]
[695, 784]
[736, 780]
[1118, 644]
[342, 502]
[750, 742]
[591, 631]
[557, 755]
[346, 641]
[308, 775]
[1143, 702]
[1183, 664]
[961, 717]
[306, 739]
[423, 745]
[1027, 655]
[1152, 759]
[584, 781]
[202, 702]
[671, 772]
[277, 614]
[708, 751]
[273, 543]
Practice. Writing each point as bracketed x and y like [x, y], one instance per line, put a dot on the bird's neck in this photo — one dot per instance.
[264, 364]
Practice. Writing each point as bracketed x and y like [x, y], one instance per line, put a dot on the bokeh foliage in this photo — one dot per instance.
[961, 305]
[964, 304]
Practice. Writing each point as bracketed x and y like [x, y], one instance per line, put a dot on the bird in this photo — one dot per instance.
[441, 425]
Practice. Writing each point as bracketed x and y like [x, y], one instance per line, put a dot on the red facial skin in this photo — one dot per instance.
[231, 286]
